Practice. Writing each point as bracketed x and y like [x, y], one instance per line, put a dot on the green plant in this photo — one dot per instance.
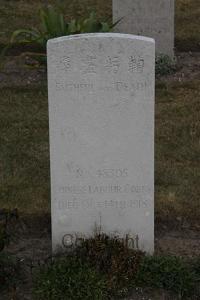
[114, 259]
[69, 278]
[164, 65]
[167, 272]
[54, 25]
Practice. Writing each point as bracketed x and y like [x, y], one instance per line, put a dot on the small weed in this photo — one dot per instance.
[114, 259]
[164, 65]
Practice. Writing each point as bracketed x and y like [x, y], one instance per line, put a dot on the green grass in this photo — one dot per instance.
[24, 14]
[69, 279]
[169, 273]
[177, 150]
[187, 25]
[103, 268]
[24, 150]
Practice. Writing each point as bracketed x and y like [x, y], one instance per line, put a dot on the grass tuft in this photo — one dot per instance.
[69, 278]
[168, 273]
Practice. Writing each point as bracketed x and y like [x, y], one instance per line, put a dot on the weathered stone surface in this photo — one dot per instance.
[152, 18]
[101, 114]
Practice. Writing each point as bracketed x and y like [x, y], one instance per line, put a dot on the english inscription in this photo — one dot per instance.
[114, 86]
[103, 189]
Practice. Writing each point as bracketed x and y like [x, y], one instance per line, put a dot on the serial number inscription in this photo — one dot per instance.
[112, 173]
[77, 171]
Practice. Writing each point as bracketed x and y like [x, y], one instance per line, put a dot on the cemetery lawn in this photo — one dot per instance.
[177, 158]
[24, 150]
[24, 14]
[187, 25]
[24, 144]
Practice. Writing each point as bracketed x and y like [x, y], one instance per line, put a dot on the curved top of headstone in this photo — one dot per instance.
[101, 35]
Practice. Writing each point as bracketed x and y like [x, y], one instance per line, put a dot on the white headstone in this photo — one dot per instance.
[101, 114]
[152, 18]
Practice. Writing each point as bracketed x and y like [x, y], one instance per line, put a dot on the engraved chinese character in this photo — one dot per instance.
[66, 63]
[136, 65]
[112, 64]
[140, 65]
[132, 64]
[89, 64]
